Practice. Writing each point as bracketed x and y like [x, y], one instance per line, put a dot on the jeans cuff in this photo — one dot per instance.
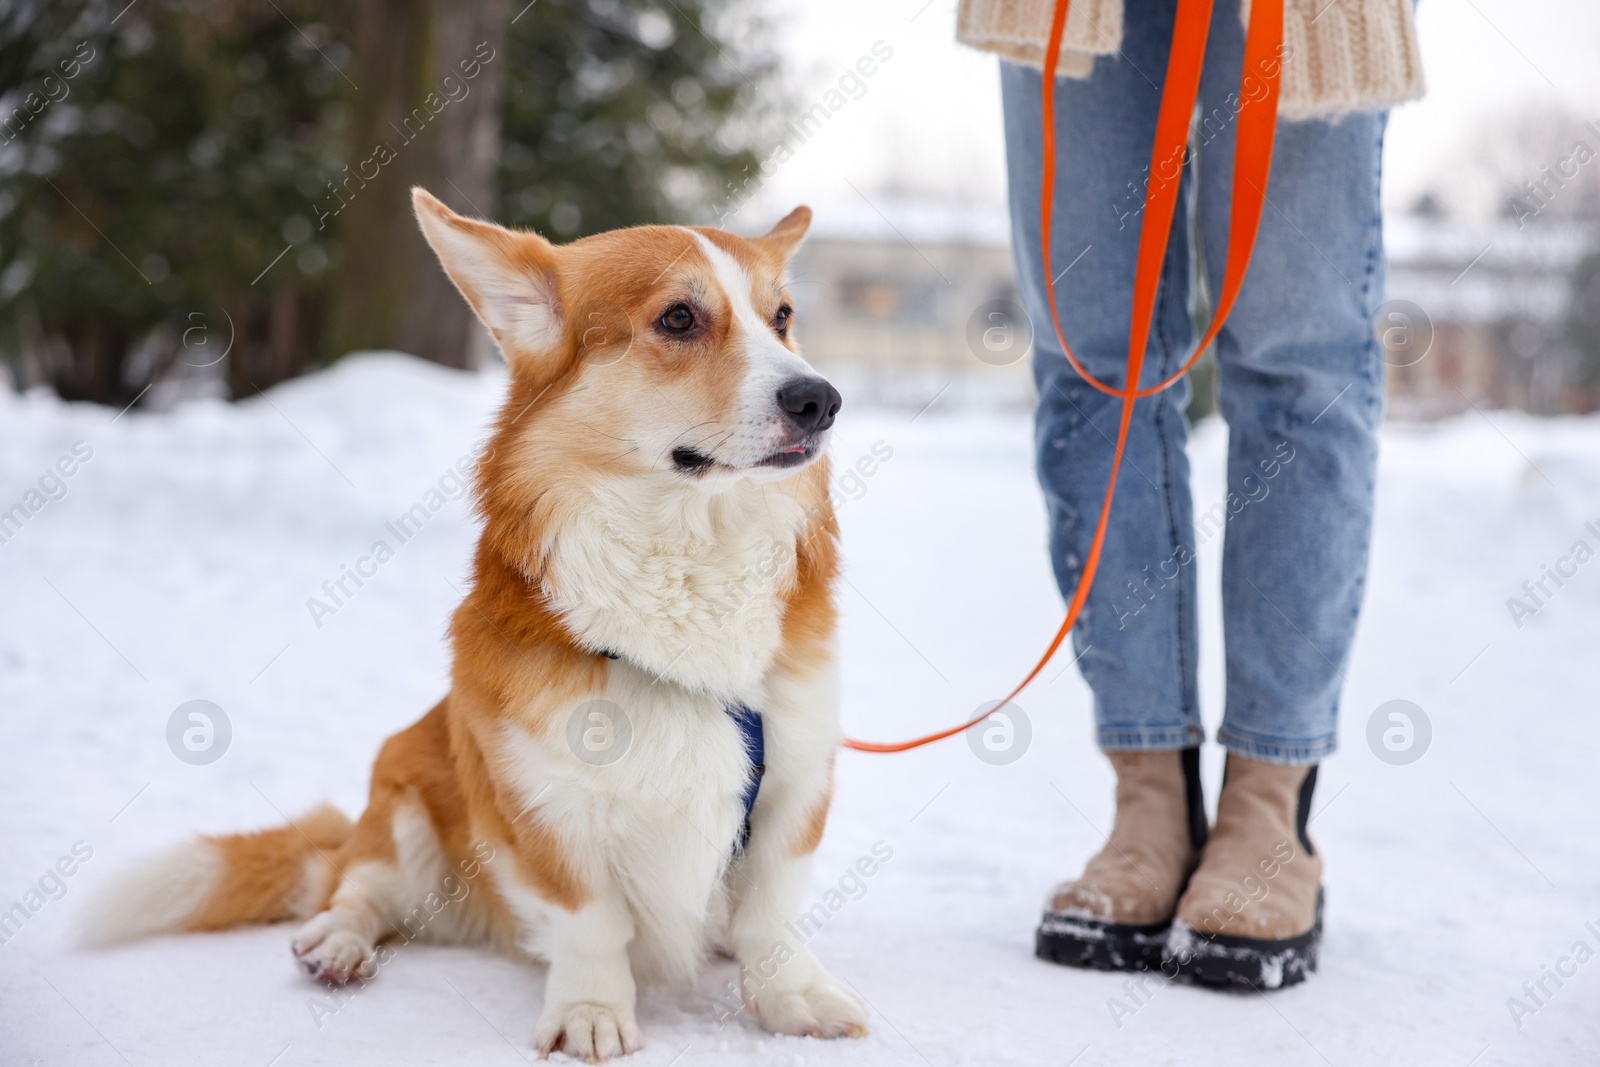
[1276, 750]
[1148, 738]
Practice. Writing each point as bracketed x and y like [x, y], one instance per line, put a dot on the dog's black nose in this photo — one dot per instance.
[810, 402]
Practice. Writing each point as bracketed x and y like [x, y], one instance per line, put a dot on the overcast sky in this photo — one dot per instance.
[928, 122]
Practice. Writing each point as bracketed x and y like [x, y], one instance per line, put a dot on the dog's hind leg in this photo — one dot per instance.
[377, 869]
[395, 881]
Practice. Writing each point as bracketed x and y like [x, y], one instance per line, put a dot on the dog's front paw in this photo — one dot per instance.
[823, 1009]
[588, 1031]
[331, 951]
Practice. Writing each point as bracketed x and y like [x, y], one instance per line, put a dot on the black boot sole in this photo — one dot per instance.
[1099, 945]
[1224, 961]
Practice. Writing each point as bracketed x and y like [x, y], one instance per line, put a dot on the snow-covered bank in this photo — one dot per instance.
[183, 556]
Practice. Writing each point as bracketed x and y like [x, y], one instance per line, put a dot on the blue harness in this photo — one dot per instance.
[755, 746]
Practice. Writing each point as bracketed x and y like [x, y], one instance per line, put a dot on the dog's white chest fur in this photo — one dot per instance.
[656, 803]
[686, 584]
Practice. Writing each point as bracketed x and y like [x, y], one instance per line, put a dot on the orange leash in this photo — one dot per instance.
[1257, 118]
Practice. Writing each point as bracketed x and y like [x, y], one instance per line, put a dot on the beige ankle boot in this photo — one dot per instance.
[1116, 915]
[1252, 915]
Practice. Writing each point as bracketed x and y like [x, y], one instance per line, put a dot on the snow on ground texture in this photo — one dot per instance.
[178, 565]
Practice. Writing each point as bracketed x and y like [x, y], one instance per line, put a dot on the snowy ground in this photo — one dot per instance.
[178, 564]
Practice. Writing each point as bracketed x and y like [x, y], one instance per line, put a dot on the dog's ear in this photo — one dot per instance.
[786, 236]
[510, 278]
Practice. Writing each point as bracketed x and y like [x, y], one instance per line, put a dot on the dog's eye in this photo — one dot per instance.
[780, 321]
[678, 318]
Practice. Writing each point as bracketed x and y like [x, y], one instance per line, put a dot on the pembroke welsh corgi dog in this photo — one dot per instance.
[635, 758]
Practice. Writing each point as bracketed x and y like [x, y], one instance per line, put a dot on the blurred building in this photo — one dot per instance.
[898, 306]
[898, 312]
[1491, 305]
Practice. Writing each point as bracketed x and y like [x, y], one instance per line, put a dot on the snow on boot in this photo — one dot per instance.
[1252, 915]
[1117, 915]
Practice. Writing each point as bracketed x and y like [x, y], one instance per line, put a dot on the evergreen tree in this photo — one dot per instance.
[621, 112]
[169, 197]
[158, 184]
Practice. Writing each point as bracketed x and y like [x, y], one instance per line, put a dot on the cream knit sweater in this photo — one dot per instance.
[1339, 55]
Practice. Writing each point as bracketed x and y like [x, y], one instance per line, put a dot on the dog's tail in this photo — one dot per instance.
[217, 882]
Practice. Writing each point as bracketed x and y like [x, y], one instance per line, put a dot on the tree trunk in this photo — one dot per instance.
[274, 340]
[88, 360]
[426, 111]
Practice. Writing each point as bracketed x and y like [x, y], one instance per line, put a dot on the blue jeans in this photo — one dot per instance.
[1300, 378]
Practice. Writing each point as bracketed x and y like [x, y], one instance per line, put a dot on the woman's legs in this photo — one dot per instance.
[1301, 387]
